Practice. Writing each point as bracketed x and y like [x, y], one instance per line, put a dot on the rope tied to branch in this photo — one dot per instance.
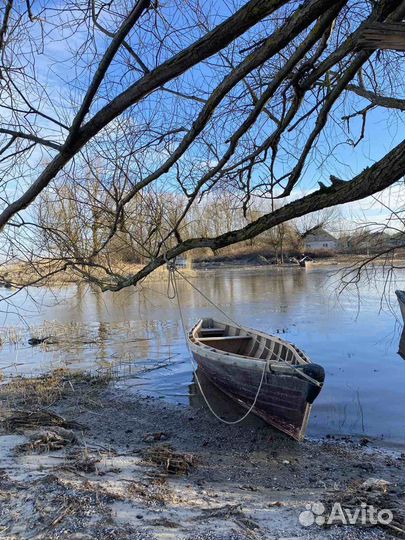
[171, 280]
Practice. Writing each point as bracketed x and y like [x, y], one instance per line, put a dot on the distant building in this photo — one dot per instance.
[183, 262]
[368, 242]
[318, 239]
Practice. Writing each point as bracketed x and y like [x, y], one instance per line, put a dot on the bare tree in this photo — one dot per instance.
[328, 217]
[382, 244]
[107, 104]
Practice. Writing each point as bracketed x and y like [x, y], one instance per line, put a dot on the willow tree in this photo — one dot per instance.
[259, 98]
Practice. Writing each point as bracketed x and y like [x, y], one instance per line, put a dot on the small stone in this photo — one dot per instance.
[375, 484]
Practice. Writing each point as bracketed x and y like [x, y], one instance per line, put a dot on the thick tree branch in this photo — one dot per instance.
[377, 99]
[332, 97]
[5, 23]
[381, 175]
[149, 170]
[108, 57]
[381, 11]
[270, 47]
[249, 15]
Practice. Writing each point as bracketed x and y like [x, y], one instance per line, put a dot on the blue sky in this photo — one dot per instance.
[58, 64]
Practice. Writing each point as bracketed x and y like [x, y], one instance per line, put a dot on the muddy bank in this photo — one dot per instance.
[81, 459]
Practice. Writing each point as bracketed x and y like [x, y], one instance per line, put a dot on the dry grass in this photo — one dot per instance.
[171, 461]
[49, 440]
[53, 274]
[43, 391]
[19, 420]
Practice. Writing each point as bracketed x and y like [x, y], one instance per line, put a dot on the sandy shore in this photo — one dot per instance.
[83, 459]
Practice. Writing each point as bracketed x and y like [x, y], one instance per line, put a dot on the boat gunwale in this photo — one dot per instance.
[401, 301]
[302, 360]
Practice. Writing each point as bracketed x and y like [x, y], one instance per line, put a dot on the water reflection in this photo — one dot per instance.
[137, 335]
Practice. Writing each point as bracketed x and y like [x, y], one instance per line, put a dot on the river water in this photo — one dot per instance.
[138, 337]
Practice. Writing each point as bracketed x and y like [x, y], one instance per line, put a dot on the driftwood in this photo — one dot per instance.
[172, 462]
[23, 419]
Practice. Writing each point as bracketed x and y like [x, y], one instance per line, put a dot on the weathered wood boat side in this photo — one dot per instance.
[401, 301]
[401, 349]
[233, 358]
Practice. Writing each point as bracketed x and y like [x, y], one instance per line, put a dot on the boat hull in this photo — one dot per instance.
[402, 344]
[401, 301]
[284, 400]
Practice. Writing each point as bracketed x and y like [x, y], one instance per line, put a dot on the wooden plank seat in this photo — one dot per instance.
[220, 338]
[205, 332]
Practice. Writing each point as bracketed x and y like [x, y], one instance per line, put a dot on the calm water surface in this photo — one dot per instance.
[139, 337]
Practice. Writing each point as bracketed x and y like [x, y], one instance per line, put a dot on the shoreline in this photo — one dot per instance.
[13, 276]
[132, 467]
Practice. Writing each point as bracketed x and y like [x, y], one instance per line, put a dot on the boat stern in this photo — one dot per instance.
[317, 373]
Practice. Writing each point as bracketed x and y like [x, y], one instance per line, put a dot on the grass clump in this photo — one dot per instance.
[44, 391]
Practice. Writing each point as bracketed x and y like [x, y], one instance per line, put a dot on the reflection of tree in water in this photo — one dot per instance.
[278, 285]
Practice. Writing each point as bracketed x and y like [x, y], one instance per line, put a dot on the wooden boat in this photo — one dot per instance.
[306, 263]
[401, 300]
[234, 358]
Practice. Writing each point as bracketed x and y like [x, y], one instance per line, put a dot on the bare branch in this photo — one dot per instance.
[381, 175]
[376, 99]
[30, 137]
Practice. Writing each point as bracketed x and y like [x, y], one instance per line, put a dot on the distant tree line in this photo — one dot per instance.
[75, 220]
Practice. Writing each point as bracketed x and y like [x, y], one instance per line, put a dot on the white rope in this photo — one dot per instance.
[172, 282]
